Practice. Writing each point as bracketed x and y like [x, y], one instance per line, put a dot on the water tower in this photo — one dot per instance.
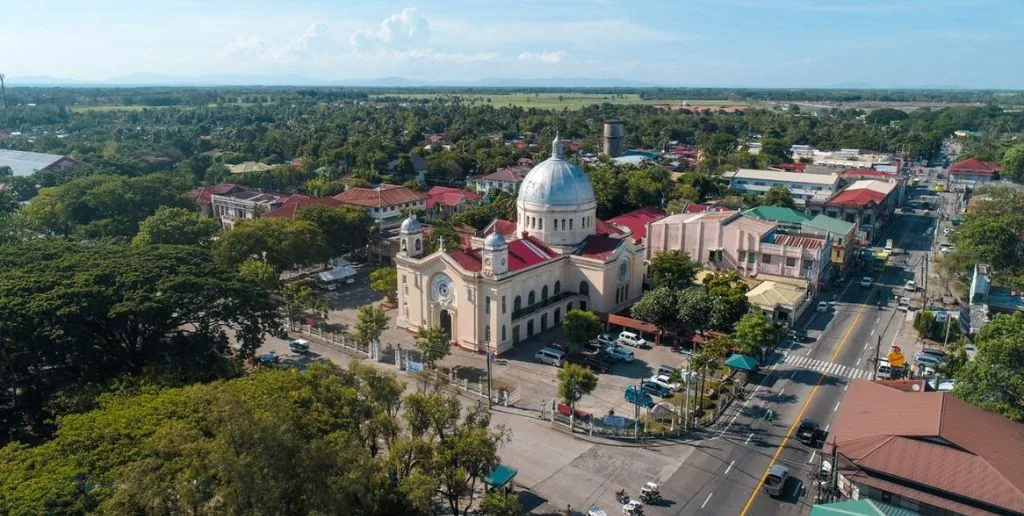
[613, 138]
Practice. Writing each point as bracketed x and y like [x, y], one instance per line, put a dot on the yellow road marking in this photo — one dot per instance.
[792, 426]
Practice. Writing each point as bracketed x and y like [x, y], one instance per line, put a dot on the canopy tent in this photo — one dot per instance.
[741, 362]
[501, 477]
[335, 274]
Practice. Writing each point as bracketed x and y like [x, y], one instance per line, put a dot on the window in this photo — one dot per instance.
[790, 262]
[540, 224]
[503, 333]
[558, 287]
[487, 304]
[517, 304]
[751, 256]
[808, 264]
[715, 256]
[583, 305]
[766, 258]
[502, 304]
[530, 299]
[570, 224]
[487, 333]
[533, 222]
[563, 224]
[544, 293]
[584, 288]
[743, 256]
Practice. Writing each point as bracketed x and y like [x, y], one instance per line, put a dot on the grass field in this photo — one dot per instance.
[83, 109]
[566, 100]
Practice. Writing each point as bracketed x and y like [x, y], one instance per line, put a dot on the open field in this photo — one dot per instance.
[565, 100]
[83, 109]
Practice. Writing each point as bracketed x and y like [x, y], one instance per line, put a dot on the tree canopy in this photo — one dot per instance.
[994, 380]
[580, 326]
[673, 270]
[283, 243]
[177, 226]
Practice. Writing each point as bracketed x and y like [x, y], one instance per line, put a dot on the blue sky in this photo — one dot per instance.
[757, 43]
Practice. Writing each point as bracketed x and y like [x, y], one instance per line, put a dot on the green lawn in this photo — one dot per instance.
[566, 100]
[83, 109]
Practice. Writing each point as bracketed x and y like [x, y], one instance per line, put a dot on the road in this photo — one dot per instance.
[805, 380]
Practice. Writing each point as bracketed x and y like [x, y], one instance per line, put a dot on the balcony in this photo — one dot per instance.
[536, 307]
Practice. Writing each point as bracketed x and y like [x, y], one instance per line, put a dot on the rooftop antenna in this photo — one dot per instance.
[3, 90]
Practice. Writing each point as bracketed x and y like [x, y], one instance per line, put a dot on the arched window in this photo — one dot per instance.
[530, 299]
[544, 293]
[533, 222]
[563, 224]
[517, 304]
[584, 288]
[570, 224]
[558, 287]
[540, 224]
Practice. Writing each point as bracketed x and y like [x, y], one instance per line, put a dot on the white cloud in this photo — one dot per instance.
[241, 47]
[316, 40]
[402, 30]
[544, 57]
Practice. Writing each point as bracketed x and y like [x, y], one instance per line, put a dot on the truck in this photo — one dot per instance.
[775, 482]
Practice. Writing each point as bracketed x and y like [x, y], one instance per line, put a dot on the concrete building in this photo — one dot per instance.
[505, 178]
[443, 200]
[787, 219]
[491, 297]
[843, 235]
[972, 172]
[386, 204]
[613, 138]
[803, 187]
[868, 203]
[24, 163]
[238, 205]
[924, 451]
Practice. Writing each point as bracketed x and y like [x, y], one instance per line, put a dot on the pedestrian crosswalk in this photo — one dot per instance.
[824, 367]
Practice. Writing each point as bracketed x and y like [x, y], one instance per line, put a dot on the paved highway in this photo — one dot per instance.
[803, 380]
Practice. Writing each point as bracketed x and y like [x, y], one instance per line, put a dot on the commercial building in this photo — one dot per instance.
[867, 203]
[238, 204]
[971, 172]
[802, 187]
[24, 163]
[787, 219]
[926, 451]
[843, 235]
[386, 204]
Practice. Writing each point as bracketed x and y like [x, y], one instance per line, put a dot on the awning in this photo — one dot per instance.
[742, 362]
[336, 274]
[500, 476]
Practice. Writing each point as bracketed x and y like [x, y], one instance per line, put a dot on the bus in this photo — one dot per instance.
[881, 259]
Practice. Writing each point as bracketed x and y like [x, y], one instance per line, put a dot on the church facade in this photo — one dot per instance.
[519, 284]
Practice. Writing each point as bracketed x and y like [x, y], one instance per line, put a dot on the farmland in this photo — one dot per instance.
[563, 100]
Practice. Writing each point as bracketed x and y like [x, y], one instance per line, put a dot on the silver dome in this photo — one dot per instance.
[411, 225]
[494, 241]
[556, 182]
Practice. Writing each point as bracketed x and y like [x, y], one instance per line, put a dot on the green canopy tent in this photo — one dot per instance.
[742, 362]
[502, 477]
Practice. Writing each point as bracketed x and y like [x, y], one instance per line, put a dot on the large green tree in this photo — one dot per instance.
[345, 228]
[574, 382]
[176, 226]
[580, 326]
[370, 324]
[657, 306]
[434, 342]
[778, 195]
[728, 300]
[385, 281]
[672, 269]
[1012, 163]
[283, 243]
[994, 380]
[755, 333]
[694, 309]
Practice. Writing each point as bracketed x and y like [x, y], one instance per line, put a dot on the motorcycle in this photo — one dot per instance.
[650, 494]
[621, 496]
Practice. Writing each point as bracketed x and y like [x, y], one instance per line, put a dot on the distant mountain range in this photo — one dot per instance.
[135, 80]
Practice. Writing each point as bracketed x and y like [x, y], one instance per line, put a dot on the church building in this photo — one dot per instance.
[522, 283]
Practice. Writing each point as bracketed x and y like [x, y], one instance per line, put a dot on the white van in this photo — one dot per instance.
[629, 338]
[884, 370]
[550, 356]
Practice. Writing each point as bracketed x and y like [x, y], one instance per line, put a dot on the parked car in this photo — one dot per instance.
[910, 286]
[638, 397]
[621, 354]
[866, 281]
[664, 381]
[300, 346]
[884, 371]
[904, 304]
[589, 361]
[607, 339]
[926, 360]
[559, 346]
[655, 389]
[822, 306]
[629, 338]
[550, 356]
[667, 370]
[267, 358]
[935, 352]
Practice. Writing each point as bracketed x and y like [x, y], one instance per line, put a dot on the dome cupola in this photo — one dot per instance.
[556, 201]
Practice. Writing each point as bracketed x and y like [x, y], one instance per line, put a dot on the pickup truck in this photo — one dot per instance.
[775, 482]
[810, 433]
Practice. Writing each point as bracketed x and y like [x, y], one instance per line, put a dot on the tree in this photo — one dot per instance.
[300, 298]
[370, 324]
[500, 503]
[345, 228]
[658, 307]
[405, 167]
[994, 380]
[885, 116]
[385, 281]
[283, 243]
[177, 226]
[778, 195]
[432, 242]
[8, 202]
[647, 187]
[774, 151]
[574, 382]
[755, 333]
[580, 326]
[672, 269]
[694, 309]
[434, 342]
[728, 300]
[6, 172]
[1012, 163]
[261, 273]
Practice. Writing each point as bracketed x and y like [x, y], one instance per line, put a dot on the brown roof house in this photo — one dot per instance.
[386, 204]
[927, 451]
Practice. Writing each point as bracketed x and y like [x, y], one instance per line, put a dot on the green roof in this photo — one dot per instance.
[742, 362]
[777, 214]
[832, 225]
[862, 507]
[501, 476]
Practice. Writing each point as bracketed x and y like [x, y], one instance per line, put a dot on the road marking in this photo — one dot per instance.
[865, 345]
[729, 468]
[813, 454]
[858, 361]
[803, 409]
[837, 406]
[706, 500]
[847, 386]
[826, 428]
[748, 438]
[793, 374]
[872, 331]
[782, 391]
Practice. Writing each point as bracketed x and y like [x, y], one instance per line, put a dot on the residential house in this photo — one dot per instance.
[636, 222]
[243, 205]
[24, 163]
[505, 178]
[443, 200]
[868, 203]
[204, 196]
[248, 166]
[843, 235]
[802, 187]
[787, 219]
[972, 171]
[926, 451]
[386, 204]
[294, 204]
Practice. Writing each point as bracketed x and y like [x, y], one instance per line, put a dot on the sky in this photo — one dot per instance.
[724, 43]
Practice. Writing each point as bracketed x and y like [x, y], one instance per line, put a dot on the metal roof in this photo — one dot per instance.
[789, 177]
[24, 163]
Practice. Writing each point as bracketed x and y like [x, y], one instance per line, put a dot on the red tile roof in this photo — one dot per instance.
[522, 253]
[296, 203]
[637, 220]
[449, 196]
[701, 208]
[974, 167]
[381, 196]
[792, 167]
[604, 228]
[507, 174]
[932, 439]
[504, 228]
[599, 247]
[859, 197]
[204, 193]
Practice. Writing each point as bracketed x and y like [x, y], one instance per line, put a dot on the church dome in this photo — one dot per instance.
[494, 241]
[556, 183]
[411, 225]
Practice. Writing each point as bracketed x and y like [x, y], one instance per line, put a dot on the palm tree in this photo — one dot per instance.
[701, 362]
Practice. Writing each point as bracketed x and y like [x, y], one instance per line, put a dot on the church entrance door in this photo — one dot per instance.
[529, 328]
[446, 322]
[558, 316]
[543, 323]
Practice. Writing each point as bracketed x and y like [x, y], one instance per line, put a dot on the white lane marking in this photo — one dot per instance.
[782, 391]
[826, 428]
[847, 386]
[865, 345]
[837, 407]
[878, 319]
[748, 438]
[872, 331]
[729, 468]
[793, 374]
[858, 361]
[706, 500]
[813, 454]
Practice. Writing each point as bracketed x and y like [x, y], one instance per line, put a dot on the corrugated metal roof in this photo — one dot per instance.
[777, 213]
[830, 224]
[24, 163]
[789, 177]
[860, 508]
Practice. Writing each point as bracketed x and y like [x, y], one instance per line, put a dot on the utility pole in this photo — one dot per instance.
[878, 346]
[636, 412]
[3, 90]
[686, 424]
[490, 377]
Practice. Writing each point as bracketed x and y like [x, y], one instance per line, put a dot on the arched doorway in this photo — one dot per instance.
[515, 335]
[543, 323]
[446, 322]
[529, 328]
[558, 316]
